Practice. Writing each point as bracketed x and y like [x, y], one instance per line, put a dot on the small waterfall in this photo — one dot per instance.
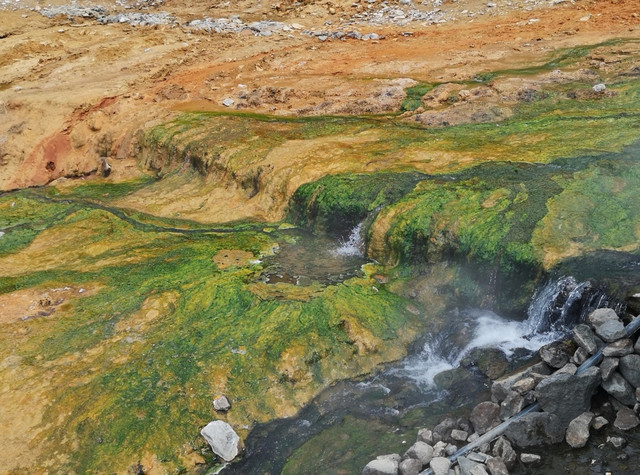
[554, 309]
[354, 244]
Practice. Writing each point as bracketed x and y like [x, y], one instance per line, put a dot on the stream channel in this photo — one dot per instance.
[353, 421]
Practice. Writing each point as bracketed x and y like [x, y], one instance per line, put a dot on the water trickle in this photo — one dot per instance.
[554, 309]
[354, 244]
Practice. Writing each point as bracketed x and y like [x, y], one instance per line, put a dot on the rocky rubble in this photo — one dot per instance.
[562, 394]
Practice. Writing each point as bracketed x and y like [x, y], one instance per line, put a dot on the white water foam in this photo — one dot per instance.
[547, 321]
[354, 245]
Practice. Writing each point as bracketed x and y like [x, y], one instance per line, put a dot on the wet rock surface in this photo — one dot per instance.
[565, 399]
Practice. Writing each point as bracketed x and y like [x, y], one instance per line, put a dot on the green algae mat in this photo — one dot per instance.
[126, 308]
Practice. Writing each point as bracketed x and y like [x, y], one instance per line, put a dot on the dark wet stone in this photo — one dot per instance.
[568, 395]
[626, 419]
[578, 430]
[536, 428]
[618, 348]
[630, 369]
[620, 389]
[465, 425]
[443, 430]
[555, 354]
[503, 450]
[485, 416]
[608, 367]
[489, 361]
[585, 338]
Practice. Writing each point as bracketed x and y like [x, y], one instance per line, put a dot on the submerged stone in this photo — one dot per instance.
[626, 419]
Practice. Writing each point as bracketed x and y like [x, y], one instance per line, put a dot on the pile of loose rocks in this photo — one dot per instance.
[565, 401]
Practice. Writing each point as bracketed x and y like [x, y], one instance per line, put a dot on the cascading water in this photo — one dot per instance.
[554, 309]
[407, 388]
[354, 245]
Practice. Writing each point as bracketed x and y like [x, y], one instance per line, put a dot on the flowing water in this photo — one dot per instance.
[353, 421]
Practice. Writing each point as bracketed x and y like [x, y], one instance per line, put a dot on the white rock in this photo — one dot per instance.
[599, 88]
[223, 439]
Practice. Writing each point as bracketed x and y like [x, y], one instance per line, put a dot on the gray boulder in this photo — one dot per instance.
[420, 451]
[569, 368]
[555, 354]
[630, 369]
[568, 395]
[578, 430]
[580, 356]
[601, 316]
[497, 466]
[440, 465]
[620, 389]
[479, 470]
[621, 347]
[626, 419]
[608, 367]
[466, 465]
[459, 435]
[536, 428]
[485, 416]
[503, 450]
[611, 331]
[442, 431]
[585, 338]
[426, 436]
[410, 467]
[223, 440]
[383, 465]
